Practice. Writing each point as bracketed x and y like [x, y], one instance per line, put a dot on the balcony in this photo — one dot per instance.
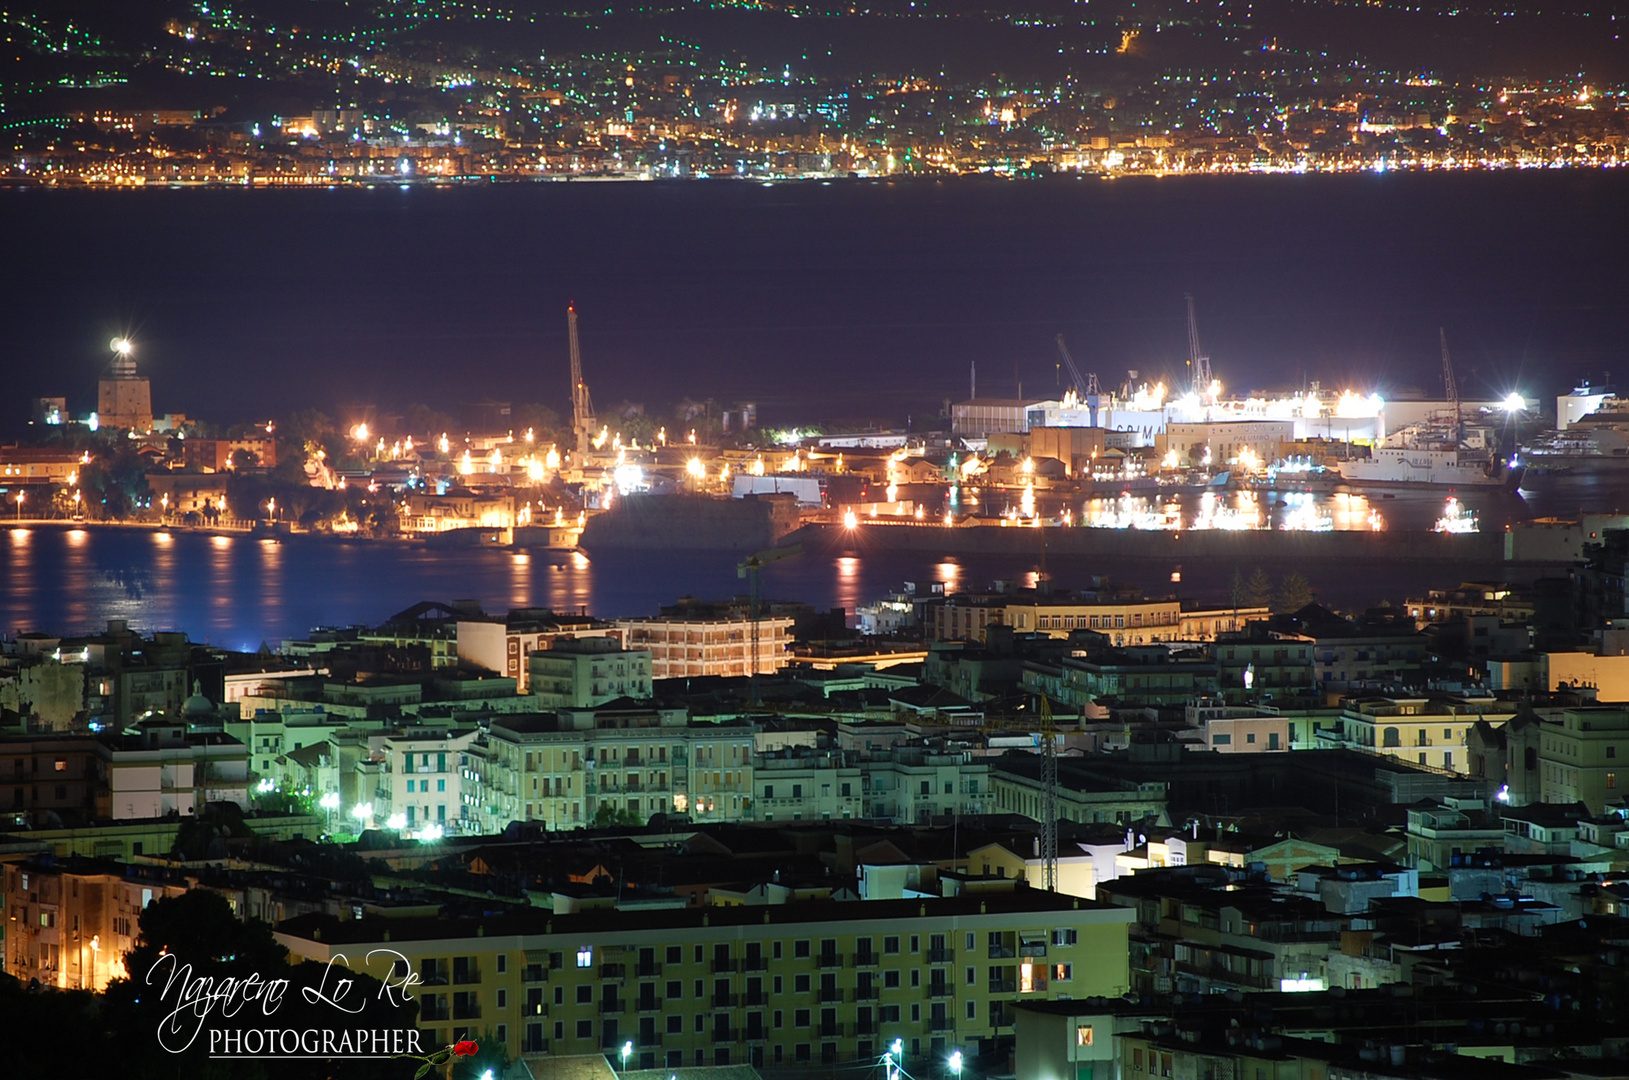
[941, 990]
[754, 997]
[652, 1004]
[941, 956]
[1003, 952]
[941, 1023]
[865, 1027]
[433, 976]
[611, 1006]
[647, 970]
[830, 1031]
[868, 993]
[534, 973]
[755, 963]
[830, 996]
[725, 1001]
[466, 976]
[466, 1010]
[1003, 986]
[725, 967]
[726, 1034]
[538, 1045]
[430, 1009]
[613, 971]
[829, 960]
[865, 959]
[757, 1033]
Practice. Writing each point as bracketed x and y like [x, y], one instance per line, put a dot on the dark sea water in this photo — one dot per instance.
[848, 299]
[837, 301]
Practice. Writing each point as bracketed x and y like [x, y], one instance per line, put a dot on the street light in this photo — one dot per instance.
[362, 812]
[19, 506]
[330, 803]
[95, 947]
[956, 1064]
[627, 1051]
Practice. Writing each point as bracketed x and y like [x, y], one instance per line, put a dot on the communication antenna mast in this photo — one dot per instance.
[582, 406]
[1049, 798]
[1198, 363]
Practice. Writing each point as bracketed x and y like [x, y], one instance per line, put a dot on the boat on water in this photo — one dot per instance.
[1592, 452]
[1427, 455]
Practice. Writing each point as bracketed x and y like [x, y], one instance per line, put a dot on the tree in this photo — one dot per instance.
[1294, 593]
[1258, 591]
[607, 815]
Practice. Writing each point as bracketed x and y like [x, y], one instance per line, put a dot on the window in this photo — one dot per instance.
[972, 1010]
[1083, 1036]
[1068, 936]
[503, 999]
[585, 995]
[503, 963]
[675, 989]
[675, 1024]
[585, 956]
[800, 984]
[777, 984]
[800, 1017]
[890, 980]
[585, 1029]
[916, 944]
[916, 976]
[1611, 780]
[1137, 1060]
[1612, 751]
[800, 950]
[1221, 740]
[889, 944]
[675, 954]
[972, 976]
[1063, 973]
[1249, 737]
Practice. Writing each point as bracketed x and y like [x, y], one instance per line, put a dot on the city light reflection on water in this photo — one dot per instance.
[238, 592]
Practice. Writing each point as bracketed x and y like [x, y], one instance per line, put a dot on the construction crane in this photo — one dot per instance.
[582, 406]
[1198, 363]
[1450, 386]
[748, 568]
[1049, 798]
[1083, 386]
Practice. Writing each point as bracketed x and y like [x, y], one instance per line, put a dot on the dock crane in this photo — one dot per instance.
[1049, 798]
[1451, 387]
[1084, 386]
[1198, 363]
[748, 568]
[582, 406]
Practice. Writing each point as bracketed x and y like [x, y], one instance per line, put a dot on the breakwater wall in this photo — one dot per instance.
[691, 522]
[1476, 553]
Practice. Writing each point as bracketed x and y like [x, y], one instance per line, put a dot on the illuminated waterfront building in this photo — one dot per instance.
[710, 642]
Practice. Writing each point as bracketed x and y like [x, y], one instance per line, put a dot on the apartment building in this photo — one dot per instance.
[1419, 731]
[73, 919]
[798, 984]
[562, 769]
[1122, 619]
[505, 645]
[1580, 758]
[718, 642]
[421, 777]
[588, 671]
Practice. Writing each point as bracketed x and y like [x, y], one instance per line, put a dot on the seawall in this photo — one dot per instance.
[1476, 553]
[691, 522]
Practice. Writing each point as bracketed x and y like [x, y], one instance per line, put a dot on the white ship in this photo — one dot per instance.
[1424, 456]
[1591, 452]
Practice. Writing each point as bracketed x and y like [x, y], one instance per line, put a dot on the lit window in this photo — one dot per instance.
[1083, 1035]
[585, 956]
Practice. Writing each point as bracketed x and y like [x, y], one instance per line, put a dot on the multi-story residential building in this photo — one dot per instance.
[1420, 731]
[799, 784]
[711, 642]
[584, 672]
[73, 919]
[166, 770]
[1084, 795]
[219, 455]
[562, 769]
[52, 776]
[1122, 618]
[506, 645]
[798, 984]
[1442, 832]
[1257, 666]
[1136, 676]
[916, 784]
[421, 777]
[1580, 758]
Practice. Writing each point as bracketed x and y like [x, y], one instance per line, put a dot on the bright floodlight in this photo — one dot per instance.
[956, 1063]
[487, 1075]
[329, 801]
[1514, 402]
[362, 811]
[396, 821]
[121, 346]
